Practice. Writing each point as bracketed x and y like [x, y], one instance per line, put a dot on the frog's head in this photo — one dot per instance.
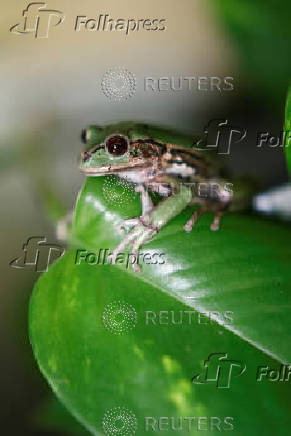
[113, 149]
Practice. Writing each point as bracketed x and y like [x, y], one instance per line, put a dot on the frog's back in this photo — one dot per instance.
[135, 130]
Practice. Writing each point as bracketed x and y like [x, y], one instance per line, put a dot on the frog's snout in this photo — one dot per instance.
[84, 136]
[85, 155]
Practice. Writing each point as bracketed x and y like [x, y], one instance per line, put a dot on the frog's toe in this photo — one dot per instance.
[214, 227]
[126, 223]
[136, 268]
[191, 223]
[188, 227]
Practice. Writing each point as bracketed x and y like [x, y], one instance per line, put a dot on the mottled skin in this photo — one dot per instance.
[147, 155]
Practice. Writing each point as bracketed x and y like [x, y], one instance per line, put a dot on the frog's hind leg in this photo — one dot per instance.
[216, 221]
[123, 244]
[191, 223]
[135, 252]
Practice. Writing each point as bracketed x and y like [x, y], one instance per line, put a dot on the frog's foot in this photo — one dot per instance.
[126, 223]
[215, 224]
[191, 223]
[139, 235]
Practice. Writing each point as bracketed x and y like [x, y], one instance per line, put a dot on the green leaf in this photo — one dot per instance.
[225, 270]
[243, 269]
[287, 128]
[149, 369]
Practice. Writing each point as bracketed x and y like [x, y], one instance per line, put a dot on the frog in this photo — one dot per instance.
[155, 160]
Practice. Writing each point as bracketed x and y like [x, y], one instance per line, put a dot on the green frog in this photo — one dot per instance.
[158, 160]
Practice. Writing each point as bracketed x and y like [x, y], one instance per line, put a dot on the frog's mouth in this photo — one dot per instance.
[114, 168]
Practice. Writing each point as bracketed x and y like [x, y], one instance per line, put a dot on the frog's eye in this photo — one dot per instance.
[117, 145]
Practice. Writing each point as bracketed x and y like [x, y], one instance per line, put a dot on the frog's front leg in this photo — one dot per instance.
[147, 226]
[146, 201]
[146, 205]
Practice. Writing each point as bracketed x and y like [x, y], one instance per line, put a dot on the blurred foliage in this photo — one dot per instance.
[287, 128]
[52, 415]
[261, 32]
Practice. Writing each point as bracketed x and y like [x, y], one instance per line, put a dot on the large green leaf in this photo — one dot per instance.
[244, 269]
[148, 370]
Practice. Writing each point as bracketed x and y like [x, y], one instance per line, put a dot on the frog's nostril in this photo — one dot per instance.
[84, 136]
